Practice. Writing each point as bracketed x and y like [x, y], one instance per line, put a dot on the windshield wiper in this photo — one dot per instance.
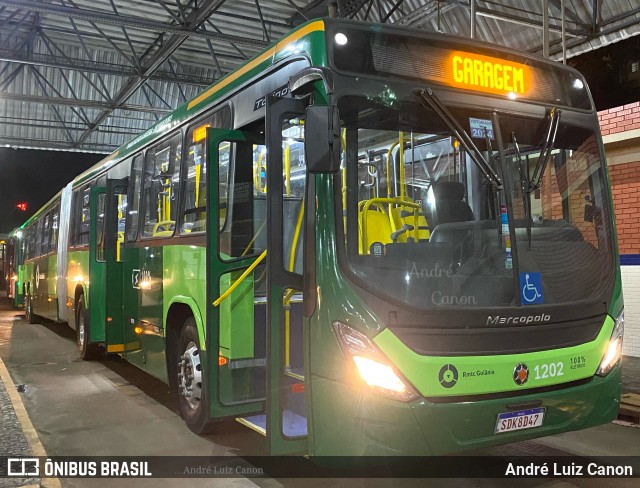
[525, 184]
[547, 148]
[428, 96]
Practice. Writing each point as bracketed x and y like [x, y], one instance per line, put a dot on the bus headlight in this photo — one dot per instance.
[614, 350]
[372, 366]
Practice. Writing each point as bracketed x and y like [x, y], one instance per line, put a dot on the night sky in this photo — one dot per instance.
[34, 177]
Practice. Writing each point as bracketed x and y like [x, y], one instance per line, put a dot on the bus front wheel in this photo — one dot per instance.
[191, 380]
[87, 350]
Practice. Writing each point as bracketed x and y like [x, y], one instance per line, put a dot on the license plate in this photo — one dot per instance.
[522, 419]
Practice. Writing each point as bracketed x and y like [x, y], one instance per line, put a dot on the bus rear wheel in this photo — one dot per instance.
[192, 380]
[86, 350]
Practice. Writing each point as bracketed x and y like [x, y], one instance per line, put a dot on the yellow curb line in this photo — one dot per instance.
[29, 431]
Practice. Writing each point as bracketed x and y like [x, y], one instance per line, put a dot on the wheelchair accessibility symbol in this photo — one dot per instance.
[531, 289]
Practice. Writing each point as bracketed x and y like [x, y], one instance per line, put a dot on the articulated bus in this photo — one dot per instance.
[367, 240]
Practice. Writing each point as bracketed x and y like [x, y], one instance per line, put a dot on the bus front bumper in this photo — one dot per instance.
[365, 424]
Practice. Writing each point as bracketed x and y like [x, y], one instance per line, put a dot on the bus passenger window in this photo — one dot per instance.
[100, 227]
[44, 242]
[195, 188]
[134, 192]
[85, 218]
[161, 178]
[30, 247]
[195, 174]
[53, 241]
[294, 179]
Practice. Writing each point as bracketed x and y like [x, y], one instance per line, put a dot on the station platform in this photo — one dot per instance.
[17, 435]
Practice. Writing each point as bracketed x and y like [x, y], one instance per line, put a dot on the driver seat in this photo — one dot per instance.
[449, 203]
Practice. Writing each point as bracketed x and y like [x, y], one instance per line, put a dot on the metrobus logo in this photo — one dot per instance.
[488, 74]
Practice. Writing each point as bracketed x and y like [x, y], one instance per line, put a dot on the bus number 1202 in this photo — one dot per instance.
[548, 370]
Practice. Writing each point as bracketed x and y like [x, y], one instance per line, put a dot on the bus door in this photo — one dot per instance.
[234, 336]
[287, 406]
[255, 303]
[106, 279]
[114, 277]
[97, 268]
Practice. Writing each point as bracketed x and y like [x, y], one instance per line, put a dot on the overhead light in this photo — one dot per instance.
[577, 84]
[341, 39]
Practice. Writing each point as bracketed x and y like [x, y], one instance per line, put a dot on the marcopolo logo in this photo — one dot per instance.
[448, 376]
[522, 320]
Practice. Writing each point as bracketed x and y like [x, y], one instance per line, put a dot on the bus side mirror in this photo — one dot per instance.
[322, 139]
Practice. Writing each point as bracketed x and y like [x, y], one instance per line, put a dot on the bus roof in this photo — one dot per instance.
[276, 51]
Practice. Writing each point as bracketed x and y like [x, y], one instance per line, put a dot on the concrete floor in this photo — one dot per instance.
[110, 408]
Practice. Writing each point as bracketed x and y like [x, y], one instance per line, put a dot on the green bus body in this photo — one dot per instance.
[136, 297]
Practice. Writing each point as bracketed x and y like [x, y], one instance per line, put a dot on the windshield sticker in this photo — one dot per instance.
[506, 238]
[531, 288]
[377, 249]
[481, 128]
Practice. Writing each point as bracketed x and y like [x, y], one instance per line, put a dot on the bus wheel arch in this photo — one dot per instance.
[177, 315]
[86, 350]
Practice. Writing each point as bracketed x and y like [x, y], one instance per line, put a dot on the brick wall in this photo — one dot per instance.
[625, 187]
[620, 119]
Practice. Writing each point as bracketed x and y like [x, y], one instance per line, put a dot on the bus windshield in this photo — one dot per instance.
[425, 227]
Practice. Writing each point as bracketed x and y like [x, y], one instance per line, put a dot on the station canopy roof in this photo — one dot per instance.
[89, 75]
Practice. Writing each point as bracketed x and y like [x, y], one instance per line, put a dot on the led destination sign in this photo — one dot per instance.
[440, 60]
[488, 74]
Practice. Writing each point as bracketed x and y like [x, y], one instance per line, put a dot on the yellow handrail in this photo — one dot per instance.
[253, 240]
[403, 180]
[296, 235]
[393, 146]
[239, 280]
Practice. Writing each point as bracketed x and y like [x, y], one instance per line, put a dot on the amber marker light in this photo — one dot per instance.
[137, 329]
[488, 74]
[200, 133]
[222, 361]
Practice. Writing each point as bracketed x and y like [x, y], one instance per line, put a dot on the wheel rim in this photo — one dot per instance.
[190, 375]
[81, 329]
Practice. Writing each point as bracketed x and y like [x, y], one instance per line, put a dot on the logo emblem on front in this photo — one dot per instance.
[448, 376]
[520, 374]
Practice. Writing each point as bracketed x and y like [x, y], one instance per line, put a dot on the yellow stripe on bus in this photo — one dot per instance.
[115, 348]
[314, 26]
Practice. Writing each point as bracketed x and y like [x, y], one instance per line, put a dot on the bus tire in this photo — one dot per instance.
[86, 350]
[192, 388]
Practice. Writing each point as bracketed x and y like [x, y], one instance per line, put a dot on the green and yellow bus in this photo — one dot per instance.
[367, 240]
